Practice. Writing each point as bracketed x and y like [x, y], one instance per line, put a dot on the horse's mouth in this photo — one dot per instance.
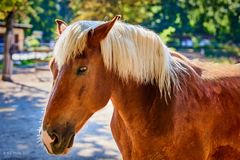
[64, 147]
[59, 148]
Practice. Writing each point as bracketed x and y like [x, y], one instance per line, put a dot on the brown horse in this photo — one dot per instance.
[165, 106]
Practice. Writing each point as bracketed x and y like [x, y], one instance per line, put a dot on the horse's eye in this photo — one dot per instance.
[81, 70]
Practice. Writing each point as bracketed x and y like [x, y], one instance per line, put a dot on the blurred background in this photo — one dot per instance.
[208, 30]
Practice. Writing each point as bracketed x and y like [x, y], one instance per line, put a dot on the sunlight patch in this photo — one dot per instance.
[7, 109]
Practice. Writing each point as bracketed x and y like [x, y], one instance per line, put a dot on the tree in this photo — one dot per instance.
[50, 10]
[131, 11]
[65, 12]
[219, 18]
[10, 11]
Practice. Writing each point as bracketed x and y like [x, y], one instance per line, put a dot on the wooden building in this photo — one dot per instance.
[18, 35]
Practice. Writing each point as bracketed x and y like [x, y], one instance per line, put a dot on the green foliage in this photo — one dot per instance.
[24, 63]
[31, 42]
[223, 60]
[219, 18]
[50, 10]
[167, 33]
[234, 49]
[131, 11]
[195, 41]
[21, 8]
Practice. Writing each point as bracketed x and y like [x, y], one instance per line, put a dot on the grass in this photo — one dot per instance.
[26, 63]
[223, 60]
[47, 59]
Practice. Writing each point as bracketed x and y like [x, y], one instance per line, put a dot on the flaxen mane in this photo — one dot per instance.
[131, 51]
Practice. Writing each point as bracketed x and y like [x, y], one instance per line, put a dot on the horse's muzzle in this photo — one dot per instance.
[57, 142]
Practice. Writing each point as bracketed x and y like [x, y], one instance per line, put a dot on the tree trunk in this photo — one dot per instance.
[8, 43]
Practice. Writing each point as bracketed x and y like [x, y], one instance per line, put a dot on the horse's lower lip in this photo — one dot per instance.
[58, 151]
[47, 148]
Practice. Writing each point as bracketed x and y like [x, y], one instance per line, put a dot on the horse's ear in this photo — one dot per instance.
[61, 26]
[100, 32]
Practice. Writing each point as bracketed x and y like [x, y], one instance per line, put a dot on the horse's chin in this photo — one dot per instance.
[64, 152]
[59, 152]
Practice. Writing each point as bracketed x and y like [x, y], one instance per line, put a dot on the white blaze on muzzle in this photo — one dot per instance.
[47, 140]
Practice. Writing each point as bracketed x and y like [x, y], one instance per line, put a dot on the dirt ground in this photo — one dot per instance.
[21, 109]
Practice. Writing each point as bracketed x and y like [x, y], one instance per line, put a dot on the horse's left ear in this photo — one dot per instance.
[61, 26]
[100, 32]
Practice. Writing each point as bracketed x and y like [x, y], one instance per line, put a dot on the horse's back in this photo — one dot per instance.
[211, 70]
[223, 82]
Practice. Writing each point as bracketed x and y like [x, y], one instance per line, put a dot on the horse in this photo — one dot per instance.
[165, 105]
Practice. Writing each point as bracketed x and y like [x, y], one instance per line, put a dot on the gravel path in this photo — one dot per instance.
[21, 109]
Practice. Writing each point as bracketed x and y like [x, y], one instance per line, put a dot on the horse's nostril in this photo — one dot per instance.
[55, 138]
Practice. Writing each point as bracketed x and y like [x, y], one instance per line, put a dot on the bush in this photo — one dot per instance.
[31, 43]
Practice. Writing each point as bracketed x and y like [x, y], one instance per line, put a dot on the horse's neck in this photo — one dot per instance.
[140, 106]
[142, 118]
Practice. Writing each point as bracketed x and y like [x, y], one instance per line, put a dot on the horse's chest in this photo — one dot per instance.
[133, 145]
[121, 136]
